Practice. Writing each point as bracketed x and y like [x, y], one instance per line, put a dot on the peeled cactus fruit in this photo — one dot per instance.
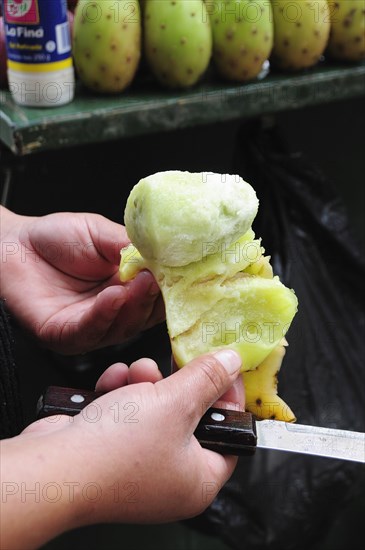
[217, 284]
[164, 226]
[347, 37]
[177, 40]
[301, 31]
[107, 43]
[242, 37]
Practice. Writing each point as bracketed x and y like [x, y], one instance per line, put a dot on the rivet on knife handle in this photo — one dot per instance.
[58, 400]
[220, 430]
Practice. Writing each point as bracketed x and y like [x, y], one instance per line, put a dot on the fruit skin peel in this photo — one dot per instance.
[193, 231]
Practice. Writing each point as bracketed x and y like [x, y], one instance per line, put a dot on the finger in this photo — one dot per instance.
[200, 383]
[118, 312]
[108, 237]
[219, 467]
[157, 314]
[143, 304]
[144, 370]
[114, 377]
[96, 321]
[234, 398]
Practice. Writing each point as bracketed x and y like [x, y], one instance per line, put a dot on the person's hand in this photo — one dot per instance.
[130, 456]
[60, 280]
[146, 431]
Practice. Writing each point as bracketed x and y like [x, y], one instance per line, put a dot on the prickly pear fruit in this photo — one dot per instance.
[177, 41]
[347, 37]
[242, 37]
[193, 232]
[107, 43]
[301, 31]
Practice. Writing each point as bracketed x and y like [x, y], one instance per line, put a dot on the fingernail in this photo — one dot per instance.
[229, 359]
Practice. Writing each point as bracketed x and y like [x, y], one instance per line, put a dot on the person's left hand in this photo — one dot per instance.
[60, 279]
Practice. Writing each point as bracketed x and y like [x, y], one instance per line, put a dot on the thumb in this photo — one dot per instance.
[200, 383]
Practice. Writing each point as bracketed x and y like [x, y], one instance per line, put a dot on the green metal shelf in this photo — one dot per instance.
[146, 108]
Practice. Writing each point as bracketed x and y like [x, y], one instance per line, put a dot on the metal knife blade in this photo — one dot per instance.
[235, 432]
[312, 440]
[232, 432]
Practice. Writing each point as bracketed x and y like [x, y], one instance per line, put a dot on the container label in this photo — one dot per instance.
[37, 35]
[21, 11]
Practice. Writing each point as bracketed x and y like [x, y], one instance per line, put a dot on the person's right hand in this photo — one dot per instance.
[144, 443]
[130, 456]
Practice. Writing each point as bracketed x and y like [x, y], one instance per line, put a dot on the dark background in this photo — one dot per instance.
[98, 178]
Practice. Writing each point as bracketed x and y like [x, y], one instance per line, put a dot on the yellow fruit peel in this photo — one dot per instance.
[261, 384]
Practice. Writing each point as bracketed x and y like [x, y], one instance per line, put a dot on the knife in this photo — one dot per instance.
[232, 432]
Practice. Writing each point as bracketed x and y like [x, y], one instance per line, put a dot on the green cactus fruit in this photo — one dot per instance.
[242, 37]
[177, 41]
[347, 37]
[301, 31]
[107, 43]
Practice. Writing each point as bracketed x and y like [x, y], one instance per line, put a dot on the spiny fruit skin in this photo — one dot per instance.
[242, 37]
[107, 43]
[347, 37]
[301, 31]
[177, 41]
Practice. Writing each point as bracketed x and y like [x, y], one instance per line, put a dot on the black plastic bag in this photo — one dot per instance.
[281, 500]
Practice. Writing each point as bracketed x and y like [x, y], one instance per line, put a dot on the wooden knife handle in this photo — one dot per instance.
[221, 430]
[57, 400]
